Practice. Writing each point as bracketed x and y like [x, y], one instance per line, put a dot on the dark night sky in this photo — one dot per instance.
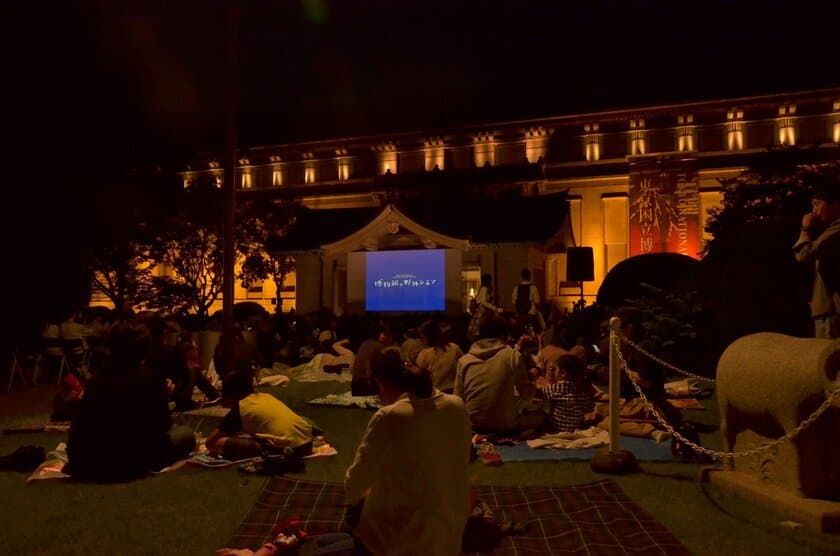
[126, 82]
[92, 88]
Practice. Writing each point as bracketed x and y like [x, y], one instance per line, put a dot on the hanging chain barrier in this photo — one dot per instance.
[661, 361]
[829, 399]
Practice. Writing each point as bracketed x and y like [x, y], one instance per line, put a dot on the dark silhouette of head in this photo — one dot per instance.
[388, 368]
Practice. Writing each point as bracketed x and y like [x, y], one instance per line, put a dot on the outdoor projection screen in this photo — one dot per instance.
[405, 281]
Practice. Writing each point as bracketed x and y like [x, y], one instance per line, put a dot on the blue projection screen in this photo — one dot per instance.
[405, 280]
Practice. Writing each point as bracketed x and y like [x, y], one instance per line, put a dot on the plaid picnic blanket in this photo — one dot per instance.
[595, 518]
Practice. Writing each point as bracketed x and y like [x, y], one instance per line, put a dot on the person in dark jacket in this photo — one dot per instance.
[123, 429]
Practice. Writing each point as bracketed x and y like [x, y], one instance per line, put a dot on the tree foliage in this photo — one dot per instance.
[119, 259]
[262, 222]
[749, 277]
[190, 246]
[774, 189]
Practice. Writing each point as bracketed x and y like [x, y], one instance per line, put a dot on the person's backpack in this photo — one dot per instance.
[523, 299]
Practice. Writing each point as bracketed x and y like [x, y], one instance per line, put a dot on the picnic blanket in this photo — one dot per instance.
[595, 518]
[53, 466]
[312, 371]
[347, 399]
[49, 426]
[592, 437]
[643, 448]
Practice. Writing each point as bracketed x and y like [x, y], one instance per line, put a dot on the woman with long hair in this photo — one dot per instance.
[439, 357]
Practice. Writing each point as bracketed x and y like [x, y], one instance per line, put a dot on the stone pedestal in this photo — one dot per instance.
[822, 516]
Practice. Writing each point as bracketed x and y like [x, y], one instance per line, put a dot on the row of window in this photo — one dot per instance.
[487, 151]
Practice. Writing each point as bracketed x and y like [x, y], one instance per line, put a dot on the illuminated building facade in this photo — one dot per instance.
[617, 168]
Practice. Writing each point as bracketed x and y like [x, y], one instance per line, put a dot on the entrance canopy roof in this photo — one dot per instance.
[429, 222]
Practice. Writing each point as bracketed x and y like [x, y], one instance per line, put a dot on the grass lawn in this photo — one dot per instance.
[195, 511]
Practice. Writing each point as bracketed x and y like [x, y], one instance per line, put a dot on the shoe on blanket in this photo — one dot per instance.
[25, 458]
[489, 455]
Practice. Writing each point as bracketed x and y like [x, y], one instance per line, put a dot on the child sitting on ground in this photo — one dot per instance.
[571, 395]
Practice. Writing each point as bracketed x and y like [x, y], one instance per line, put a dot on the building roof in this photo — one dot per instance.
[509, 218]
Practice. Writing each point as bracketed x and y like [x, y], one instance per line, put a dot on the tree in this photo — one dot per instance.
[120, 259]
[749, 278]
[190, 244]
[262, 222]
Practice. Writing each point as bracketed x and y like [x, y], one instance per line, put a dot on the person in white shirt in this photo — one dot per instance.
[410, 469]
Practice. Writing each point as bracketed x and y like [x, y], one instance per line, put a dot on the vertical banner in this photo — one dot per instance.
[665, 207]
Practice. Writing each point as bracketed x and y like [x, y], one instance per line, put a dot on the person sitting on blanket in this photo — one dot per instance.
[410, 469]
[650, 377]
[368, 345]
[440, 357]
[555, 349]
[648, 374]
[571, 395]
[123, 429]
[486, 378]
[264, 418]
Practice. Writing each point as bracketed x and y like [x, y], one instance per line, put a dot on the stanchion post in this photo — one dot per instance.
[615, 383]
[612, 459]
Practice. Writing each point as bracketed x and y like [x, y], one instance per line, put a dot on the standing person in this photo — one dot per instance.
[484, 307]
[822, 250]
[410, 470]
[440, 357]
[526, 300]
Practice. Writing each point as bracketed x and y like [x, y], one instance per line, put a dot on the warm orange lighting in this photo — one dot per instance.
[591, 142]
[247, 182]
[386, 154]
[484, 149]
[686, 133]
[536, 143]
[735, 137]
[735, 130]
[786, 131]
[433, 153]
[344, 168]
[309, 174]
[277, 176]
[638, 137]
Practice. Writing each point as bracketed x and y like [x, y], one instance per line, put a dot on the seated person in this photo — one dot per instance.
[261, 416]
[362, 383]
[66, 402]
[440, 357]
[571, 395]
[555, 348]
[123, 430]
[189, 374]
[489, 376]
[648, 374]
[410, 469]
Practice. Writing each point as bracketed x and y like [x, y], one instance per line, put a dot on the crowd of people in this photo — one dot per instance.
[439, 381]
